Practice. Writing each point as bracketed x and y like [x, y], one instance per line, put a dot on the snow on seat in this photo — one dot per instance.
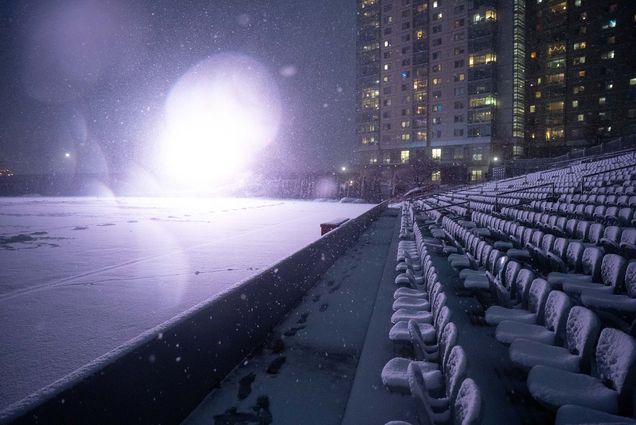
[615, 358]
[571, 414]
[621, 304]
[582, 330]
[537, 296]
[467, 406]
[427, 332]
[408, 263]
[408, 278]
[409, 292]
[395, 372]
[432, 410]
[579, 259]
[612, 275]
[420, 316]
[411, 302]
[573, 260]
[557, 307]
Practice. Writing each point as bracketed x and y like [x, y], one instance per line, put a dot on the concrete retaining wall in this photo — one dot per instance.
[161, 376]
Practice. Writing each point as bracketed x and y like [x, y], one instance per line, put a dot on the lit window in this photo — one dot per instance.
[475, 175]
[436, 81]
[533, 108]
[478, 156]
[405, 124]
[632, 81]
[406, 137]
[419, 34]
[387, 43]
[387, 66]
[517, 150]
[577, 3]
[580, 117]
[533, 55]
[602, 100]
[404, 156]
[405, 74]
[581, 73]
[436, 153]
[435, 4]
[609, 85]
[608, 55]
[580, 45]
[575, 103]
[578, 60]
[612, 23]
[537, 94]
[436, 176]
[555, 106]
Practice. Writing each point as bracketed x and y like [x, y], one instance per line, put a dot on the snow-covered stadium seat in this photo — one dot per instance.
[395, 372]
[537, 296]
[615, 358]
[571, 414]
[582, 330]
[557, 307]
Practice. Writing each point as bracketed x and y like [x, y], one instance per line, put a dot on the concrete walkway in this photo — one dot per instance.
[306, 371]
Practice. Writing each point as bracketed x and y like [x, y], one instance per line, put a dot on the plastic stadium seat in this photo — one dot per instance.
[581, 332]
[622, 304]
[537, 296]
[615, 358]
[557, 307]
[612, 274]
[570, 414]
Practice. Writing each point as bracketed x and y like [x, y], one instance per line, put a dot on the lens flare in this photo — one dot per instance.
[218, 116]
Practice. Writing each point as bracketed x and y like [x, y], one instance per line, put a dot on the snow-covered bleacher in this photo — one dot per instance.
[551, 258]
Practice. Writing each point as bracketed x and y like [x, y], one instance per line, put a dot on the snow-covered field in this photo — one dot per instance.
[80, 276]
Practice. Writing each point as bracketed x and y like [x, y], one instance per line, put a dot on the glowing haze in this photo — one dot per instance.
[218, 117]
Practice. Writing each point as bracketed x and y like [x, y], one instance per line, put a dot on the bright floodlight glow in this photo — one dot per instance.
[495, 159]
[67, 154]
[218, 116]
[343, 168]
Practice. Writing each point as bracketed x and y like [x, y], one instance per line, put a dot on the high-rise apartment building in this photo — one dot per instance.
[581, 70]
[440, 80]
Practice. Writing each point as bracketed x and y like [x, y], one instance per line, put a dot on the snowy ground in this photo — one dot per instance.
[80, 276]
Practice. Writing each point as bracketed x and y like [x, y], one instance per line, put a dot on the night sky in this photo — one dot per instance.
[91, 77]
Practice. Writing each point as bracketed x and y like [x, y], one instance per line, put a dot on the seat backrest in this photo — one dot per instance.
[612, 233]
[479, 249]
[527, 235]
[436, 288]
[570, 226]
[467, 404]
[595, 232]
[573, 255]
[560, 222]
[547, 242]
[510, 273]
[629, 236]
[591, 262]
[557, 308]
[581, 229]
[613, 271]
[560, 247]
[455, 370]
[625, 215]
[615, 357]
[537, 297]
[630, 279]
[581, 331]
[522, 285]
[494, 256]
[485, 253]
[447, 340]
[441, 319]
